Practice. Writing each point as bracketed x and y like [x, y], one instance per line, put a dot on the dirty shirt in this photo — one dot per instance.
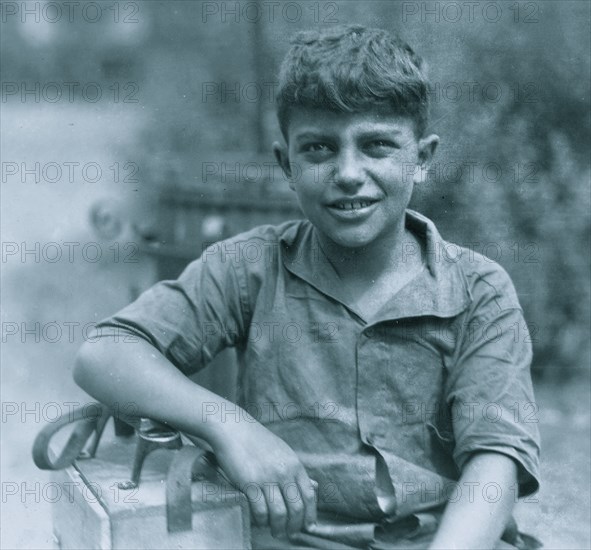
[383, 412]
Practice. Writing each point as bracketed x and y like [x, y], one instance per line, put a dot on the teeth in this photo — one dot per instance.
[353, 205]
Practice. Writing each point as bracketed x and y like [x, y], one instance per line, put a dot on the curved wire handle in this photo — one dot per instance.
[87, 425]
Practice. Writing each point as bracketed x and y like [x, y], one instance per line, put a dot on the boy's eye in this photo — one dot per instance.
[317, 151]
[381, 146]
[315, 147]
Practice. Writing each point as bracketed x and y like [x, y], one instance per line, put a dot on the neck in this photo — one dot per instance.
[399, 251]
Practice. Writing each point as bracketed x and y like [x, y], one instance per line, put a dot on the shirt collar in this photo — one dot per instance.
[440, 290]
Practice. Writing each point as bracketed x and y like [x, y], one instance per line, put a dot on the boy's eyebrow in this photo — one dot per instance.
[386, 131]
[311, 134]
[379, 133]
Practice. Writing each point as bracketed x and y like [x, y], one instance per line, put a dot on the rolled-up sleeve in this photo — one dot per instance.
[191, 319]
[489, 390]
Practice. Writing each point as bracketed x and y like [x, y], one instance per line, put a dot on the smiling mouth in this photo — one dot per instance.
[357, 204]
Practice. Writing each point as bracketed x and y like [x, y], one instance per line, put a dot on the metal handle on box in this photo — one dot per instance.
[186, 464]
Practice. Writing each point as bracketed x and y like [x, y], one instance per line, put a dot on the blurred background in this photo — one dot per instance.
[135, 132]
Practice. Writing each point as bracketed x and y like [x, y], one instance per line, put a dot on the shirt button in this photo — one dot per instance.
[370, 333]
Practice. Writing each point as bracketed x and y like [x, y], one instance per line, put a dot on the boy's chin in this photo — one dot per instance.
[351, 239]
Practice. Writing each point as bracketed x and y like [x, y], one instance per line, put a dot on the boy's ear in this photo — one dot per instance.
[280, 152]
[426, 150]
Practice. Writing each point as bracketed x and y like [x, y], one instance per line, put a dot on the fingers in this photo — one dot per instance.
[299, 500]
[286, 508]
[276, 505]
[308, 489]
[295, 507]
[258, 508]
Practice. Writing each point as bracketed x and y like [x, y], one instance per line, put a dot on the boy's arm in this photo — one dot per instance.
[477, 519]
[123, 374]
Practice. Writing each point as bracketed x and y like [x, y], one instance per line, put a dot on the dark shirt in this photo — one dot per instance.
[440, 372]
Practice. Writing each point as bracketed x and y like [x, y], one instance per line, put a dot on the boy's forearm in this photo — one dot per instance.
[120, 374]
[137, 379]
[474, 520]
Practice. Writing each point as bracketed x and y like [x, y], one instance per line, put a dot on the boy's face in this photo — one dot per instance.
[354, 173]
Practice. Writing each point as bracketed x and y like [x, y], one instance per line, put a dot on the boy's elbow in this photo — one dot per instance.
[87, 364]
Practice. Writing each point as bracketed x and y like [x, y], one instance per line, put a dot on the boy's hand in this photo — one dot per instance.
[269, 473]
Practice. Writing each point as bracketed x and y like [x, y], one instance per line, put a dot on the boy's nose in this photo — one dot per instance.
[348, 172]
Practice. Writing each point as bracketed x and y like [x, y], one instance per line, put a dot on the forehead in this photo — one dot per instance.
[304, 121]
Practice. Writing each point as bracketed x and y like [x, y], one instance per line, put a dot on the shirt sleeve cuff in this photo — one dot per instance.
[528, 478]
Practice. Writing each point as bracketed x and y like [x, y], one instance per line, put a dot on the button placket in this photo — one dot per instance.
[363, 420]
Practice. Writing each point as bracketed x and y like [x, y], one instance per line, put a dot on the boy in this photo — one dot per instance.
[367, 362]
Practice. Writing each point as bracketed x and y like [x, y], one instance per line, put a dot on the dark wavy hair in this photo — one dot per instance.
[351, 69]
